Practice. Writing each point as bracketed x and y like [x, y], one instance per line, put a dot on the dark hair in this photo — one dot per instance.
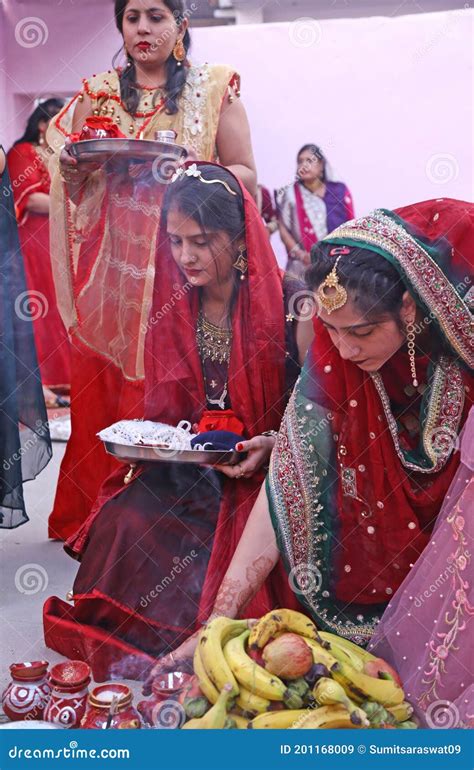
[375, 286]
[314, 150]
[175, 74]
[44, 111]
[212, 206]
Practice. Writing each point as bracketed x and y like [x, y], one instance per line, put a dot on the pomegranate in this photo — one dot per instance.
[380, 669]
[288, 656]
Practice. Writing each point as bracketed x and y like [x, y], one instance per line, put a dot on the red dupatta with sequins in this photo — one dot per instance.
[352, 497]
[256, 377]
[174, 385]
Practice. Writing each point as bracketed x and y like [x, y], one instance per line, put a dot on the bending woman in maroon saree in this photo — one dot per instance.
[364, 457]
[154, 552]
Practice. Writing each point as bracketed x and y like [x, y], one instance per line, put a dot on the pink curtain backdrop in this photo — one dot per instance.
[386, 98]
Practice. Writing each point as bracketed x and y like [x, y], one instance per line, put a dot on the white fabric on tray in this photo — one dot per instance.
[147, 433]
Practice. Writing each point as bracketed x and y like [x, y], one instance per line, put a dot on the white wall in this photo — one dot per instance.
[388, 99]
[275, 10]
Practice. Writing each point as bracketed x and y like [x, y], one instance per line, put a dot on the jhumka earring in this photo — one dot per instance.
[411, 351]
[241, 263]
[179, 52]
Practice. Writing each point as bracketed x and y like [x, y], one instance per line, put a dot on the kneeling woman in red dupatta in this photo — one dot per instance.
[221, 351]
[364, 457]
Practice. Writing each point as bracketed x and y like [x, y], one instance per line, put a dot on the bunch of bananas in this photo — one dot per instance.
[335, 693]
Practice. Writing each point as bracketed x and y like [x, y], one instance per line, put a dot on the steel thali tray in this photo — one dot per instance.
[137, 150]
[149, 454]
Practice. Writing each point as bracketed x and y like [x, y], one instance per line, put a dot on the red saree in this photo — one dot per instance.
[353, 493]
[29, 175]
[130, 603]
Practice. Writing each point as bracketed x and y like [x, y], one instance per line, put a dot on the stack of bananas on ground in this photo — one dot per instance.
[284, 673]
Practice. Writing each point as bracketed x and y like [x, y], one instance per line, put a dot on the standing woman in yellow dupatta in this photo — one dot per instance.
[104, 226]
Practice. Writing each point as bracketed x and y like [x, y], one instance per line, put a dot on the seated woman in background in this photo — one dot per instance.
[223, 351]
[310, 208]
[28, 166]
[365, 454]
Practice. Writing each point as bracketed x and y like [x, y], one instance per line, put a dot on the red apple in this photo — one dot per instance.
[288, 656]
[379, 667]
[256, 656]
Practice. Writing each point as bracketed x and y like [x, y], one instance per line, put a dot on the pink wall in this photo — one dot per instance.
[387, 98]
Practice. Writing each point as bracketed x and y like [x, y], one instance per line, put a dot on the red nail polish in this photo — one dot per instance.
[239, 447]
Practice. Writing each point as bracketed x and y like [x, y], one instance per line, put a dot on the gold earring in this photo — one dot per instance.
[127, 57]
[411, 351]
[241, 263]
[179, 52]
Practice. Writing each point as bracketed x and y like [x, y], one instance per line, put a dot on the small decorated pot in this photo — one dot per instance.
[28, 693]
[110, 706]
[166, 687]
[66, 708]
[70, 674]
[70, 681]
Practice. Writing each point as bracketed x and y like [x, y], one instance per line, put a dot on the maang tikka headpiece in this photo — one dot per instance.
[194, 171]
[336, 297]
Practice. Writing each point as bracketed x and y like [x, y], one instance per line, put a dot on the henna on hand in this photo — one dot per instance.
[234, 595]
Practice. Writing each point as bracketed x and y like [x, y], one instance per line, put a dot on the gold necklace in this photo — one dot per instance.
[213, 342]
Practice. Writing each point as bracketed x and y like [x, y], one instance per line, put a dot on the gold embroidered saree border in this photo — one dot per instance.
[445, 408]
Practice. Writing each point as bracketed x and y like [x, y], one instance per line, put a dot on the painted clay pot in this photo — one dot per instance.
[165, 687]
[99, 706]
[66, 707]
[70, 682]
[28, 693]
[70, 674]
